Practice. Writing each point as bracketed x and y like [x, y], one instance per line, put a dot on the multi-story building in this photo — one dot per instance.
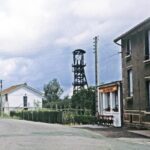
[110, 101]
[135, 48]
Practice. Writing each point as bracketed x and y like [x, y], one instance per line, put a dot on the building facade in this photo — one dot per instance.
[135, 48]
[110, 101]
[19, 97]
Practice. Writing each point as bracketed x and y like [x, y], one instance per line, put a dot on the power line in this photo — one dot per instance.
[110, 57]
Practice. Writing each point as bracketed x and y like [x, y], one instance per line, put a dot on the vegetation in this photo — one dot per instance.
[84, 99]
[52, 92]
[85, 119]
[62, 117]
[41, 115]
[80, 108]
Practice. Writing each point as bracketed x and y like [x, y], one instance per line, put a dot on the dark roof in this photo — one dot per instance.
[79, 50]
[147, 21]
[15, 87]
[110, 84]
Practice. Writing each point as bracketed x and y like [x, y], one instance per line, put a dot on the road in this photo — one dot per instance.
[26, 135]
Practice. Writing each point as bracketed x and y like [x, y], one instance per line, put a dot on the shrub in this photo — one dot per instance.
[68, 117]
[63, 117]
[83, 119]
[12, 113]
[41, 115]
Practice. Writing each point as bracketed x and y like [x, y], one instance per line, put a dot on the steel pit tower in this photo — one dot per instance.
[80, 81]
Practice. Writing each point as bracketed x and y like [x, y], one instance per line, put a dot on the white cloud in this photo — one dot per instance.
[27, 26]
[35, 33]
[23, 25]
[13, 66]
[19, 69]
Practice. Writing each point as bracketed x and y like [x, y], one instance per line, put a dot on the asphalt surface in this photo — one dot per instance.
[26, 135]
[117, 132]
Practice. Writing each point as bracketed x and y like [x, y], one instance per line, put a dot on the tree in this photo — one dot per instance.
[52, 91]
[84, 99]
[66, 102]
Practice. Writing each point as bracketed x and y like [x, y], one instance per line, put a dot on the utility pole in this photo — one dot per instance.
[96, 73]
[1, 86]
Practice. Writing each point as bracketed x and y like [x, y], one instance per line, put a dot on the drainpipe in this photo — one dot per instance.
[121, 93]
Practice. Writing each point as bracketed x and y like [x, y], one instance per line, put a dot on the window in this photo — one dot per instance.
[115, 101]
[147, 44]
[101, 101]
[130, 83]
[6, 97]
[107, 102]
[128, 47]
[25, 99]
[148, 93]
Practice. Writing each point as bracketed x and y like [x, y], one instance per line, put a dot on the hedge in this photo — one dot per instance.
[85, 119]
[62, 117]
[41, 116]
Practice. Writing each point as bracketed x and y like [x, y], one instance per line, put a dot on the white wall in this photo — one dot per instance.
[15, 99]
[116, 115]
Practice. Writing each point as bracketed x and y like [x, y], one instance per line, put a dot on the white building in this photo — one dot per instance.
[110, 101]
[19, 97]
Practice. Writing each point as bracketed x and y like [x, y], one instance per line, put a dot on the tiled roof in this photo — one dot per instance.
[15, 87]
[11, 89]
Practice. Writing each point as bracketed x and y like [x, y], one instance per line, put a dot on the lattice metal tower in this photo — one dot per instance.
[80, 81]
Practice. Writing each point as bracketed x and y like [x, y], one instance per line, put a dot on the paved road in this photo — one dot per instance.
[25, 135]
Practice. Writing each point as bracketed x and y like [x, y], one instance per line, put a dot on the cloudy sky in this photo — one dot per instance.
[37, 38]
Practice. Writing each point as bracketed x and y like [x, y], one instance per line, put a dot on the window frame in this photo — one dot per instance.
[115, 101]
[6, 97]
[130, 82]
[128, 47]
[25, 101]
[116, 98]
[107, 107]
[148, 93]
[147, 44]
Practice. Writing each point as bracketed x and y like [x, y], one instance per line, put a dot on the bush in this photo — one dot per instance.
[12, 113]
[63, 117]
[83, 119]
[41, 115]
[68, 117]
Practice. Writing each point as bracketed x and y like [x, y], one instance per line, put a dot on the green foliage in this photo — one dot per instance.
[68, 117]
[85, 119]
[52, 92]
[62, 117]
[59, 105]
[41, 115]
[84, 99]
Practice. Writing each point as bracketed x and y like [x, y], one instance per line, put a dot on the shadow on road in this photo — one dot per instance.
[114, 132]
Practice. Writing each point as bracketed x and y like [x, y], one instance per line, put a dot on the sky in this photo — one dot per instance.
[37, 38]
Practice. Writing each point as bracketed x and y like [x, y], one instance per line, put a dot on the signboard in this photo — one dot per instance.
[108, 89]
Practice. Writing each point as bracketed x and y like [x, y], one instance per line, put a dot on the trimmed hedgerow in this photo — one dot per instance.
[51, 116]
[41, 116]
